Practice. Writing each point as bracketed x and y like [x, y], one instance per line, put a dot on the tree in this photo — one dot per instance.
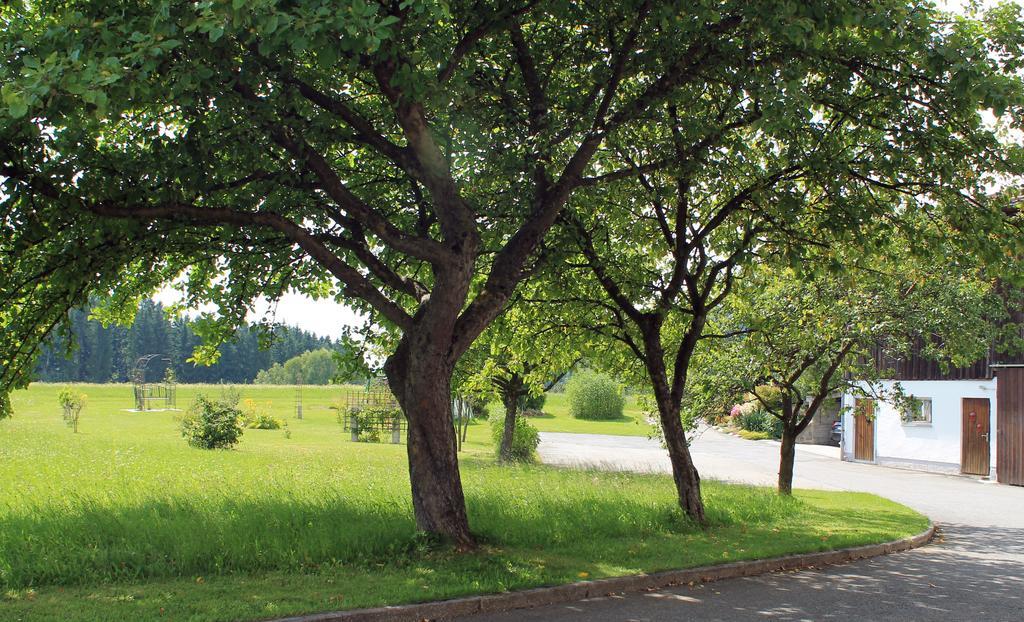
[408, 157]
[520, 355]
[867, 125]
[797, 339]
[313, 367]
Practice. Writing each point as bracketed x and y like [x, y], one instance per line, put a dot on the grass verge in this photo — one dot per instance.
[125, 521]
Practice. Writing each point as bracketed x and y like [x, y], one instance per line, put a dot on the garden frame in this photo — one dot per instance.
[146, 393]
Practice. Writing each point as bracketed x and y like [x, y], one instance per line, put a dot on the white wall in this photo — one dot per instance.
[938, 442]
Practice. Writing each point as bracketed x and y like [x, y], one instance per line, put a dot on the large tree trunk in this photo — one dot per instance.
[787, 456]
[421, 381]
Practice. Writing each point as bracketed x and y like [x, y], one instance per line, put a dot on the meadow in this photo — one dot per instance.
[634, 420]
[125, 521]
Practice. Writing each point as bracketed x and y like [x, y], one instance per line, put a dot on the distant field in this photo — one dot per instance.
[124, 521]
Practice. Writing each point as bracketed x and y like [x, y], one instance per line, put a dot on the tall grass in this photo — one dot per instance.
[126, 502]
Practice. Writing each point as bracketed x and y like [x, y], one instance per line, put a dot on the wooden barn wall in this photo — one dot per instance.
[916, 366]
[1010, 424]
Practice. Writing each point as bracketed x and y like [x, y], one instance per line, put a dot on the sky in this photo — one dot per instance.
[324, 318]
[327, 318]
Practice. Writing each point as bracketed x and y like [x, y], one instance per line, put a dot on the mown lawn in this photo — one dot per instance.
[557, 419]
[124, 521]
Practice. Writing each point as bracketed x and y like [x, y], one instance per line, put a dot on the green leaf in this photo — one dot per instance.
[17, 107]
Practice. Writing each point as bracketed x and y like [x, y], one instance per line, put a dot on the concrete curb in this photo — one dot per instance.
[538, 597]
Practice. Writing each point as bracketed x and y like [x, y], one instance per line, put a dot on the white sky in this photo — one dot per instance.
[328, 318]
[325, 318]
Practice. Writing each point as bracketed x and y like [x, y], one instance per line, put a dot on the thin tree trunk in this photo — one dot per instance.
[684, 473]
[421, 382]
[787, 456]
[508, 433]
[512, 390]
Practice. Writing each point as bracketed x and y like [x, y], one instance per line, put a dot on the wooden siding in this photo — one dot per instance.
[919, 367]
[916, 366]
[1010, 426]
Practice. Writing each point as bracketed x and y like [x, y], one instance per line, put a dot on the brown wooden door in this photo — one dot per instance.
[974, 443]
[1010, 425]
[864, 430]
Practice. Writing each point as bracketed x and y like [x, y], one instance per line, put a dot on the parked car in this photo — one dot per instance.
[835, 437]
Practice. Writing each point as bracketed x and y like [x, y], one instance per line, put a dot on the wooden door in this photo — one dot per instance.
[1010, 425]
[974, 443]
[864, 430]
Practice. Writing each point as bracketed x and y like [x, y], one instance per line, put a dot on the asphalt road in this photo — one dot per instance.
[973, 572]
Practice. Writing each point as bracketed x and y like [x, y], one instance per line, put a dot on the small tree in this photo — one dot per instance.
[71, 404]
[791, 341]
[519, 358]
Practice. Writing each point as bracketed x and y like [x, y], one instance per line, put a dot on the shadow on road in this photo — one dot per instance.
[968, 573]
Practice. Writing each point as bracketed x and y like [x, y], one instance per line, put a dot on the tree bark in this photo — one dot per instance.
[787, 456]
[421, 382]
[684, 473]
[511, 391]
[508, 433]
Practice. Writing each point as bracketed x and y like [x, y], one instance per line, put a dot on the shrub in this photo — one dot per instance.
[478, 404]
[594, 396]
[533, 402]
[373, 423]
[256, 416]
[532, 413]
[212, 423]
[71, 404]
[754, 419]
[524, 440]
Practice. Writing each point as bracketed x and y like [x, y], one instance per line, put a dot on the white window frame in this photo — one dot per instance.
[926, 413]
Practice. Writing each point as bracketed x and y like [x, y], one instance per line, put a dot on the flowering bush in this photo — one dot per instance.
[257, 416]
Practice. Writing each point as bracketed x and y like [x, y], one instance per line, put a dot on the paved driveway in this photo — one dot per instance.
[974, 572]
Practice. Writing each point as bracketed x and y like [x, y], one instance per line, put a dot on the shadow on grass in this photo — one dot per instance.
[84, 542]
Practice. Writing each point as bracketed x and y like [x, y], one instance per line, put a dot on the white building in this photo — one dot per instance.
[957, 424]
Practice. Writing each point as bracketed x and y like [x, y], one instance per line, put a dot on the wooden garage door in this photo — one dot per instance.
[1010, 426]
[864, 430]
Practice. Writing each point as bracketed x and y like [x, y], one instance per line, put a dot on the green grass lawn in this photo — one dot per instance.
[558, 419]
[124, 521]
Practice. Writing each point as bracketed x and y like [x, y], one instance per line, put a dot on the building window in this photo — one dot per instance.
[916, 410]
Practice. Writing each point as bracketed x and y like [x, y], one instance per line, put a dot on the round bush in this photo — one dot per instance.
[212, 424]
[594, 396]
[524, 440]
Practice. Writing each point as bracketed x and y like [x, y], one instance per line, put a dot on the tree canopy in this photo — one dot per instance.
[788, 341]
[872, 124]
[409, 157]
